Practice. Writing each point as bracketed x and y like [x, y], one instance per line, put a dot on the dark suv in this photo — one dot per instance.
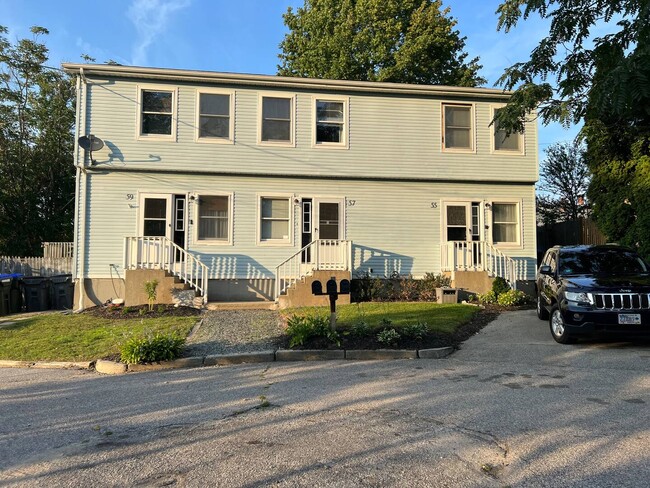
[584, 290]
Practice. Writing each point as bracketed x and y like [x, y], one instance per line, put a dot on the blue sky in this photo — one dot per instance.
[237, 36]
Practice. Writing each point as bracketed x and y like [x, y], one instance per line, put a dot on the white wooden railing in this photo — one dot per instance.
[482, 256]
[58, 249]
[321, 254]
[162, 253]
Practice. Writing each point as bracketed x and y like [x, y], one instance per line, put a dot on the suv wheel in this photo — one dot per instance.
[558, 330]
[542, 313]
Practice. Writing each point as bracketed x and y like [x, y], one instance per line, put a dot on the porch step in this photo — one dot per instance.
[259, 305]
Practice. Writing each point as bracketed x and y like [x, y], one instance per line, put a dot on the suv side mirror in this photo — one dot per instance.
[545, 270]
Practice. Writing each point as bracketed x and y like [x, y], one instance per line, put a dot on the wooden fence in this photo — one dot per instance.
[55, 250]
[35, 266]
[581, 231]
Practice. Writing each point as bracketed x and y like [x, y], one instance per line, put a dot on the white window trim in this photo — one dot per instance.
[520, 229]
[214, 242]
[472, 117]
[346, 117]
[258, 234]
[505, 152]
[231, 128]
[138, 122]
[292, 111]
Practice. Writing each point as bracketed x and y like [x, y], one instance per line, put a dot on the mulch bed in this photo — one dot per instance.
[483, 317]
[121, 312]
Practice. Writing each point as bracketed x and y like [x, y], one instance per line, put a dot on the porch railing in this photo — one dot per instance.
[321, 254]
[481, 256]
[162, 253]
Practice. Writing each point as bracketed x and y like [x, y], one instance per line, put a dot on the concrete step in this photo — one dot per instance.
[258, 305]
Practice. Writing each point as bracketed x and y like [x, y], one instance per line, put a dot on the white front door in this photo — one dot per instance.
[457, 234]
[155, 215]
[329, 229]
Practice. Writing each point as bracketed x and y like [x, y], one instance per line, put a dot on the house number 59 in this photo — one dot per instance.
[129, 196]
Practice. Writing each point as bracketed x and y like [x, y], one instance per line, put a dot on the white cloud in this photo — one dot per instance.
[150, 20]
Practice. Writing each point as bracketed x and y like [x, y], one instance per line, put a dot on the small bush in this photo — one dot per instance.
[499, 286]
[511, 298]
[416, 331]
[301, 328]
[360, 329]
[150, 287]
[489, 297]
[152, 348]
[142, 311]
[388, 337]
[126, 310]
[161, 308]
[386, 322]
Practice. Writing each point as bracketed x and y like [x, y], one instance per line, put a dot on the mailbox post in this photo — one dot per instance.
[333, 292]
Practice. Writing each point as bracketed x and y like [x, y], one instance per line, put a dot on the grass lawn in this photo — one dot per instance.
[80, 337]
[441, 318]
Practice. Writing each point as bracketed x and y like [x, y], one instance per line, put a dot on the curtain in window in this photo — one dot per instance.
[213, 217]
[504, 222]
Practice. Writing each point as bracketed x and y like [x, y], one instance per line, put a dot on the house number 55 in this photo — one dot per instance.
[434, 204]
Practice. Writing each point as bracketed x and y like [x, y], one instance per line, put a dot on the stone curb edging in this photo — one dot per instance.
[112, 367]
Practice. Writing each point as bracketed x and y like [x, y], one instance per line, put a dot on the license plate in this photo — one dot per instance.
[629, 319]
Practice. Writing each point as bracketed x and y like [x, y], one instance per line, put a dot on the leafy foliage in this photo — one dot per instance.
[397, 287]
[302, 327]
[416, 331]
[36, 147]
[564, 176]
[404, 41]
[512, 298]
[388, 337]
[499, 286]
[575, 66]
[152, 348]
[150, 288]
[489, 297]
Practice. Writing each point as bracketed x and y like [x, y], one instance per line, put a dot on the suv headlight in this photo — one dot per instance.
[579, 297]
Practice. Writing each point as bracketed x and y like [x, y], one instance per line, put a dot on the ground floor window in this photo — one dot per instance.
[214, 218]
[275, 218]
[505, 223]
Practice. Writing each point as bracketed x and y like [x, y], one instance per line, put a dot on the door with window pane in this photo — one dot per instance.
[155, 221]
[328, 229]
[458, 234]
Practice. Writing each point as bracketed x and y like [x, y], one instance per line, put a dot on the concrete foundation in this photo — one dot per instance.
[135, 294]
[98, 291]
[300, 295]
[241, 290]
[472, 281]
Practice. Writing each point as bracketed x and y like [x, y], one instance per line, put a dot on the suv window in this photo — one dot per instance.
[553, 262]
[603, 261]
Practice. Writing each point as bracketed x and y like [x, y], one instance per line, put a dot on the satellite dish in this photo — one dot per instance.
[91, 143]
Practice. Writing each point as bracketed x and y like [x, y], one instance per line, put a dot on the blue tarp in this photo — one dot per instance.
[13, 276]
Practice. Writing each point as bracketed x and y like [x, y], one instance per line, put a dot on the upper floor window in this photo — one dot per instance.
[330, 122]
[505, 223]
[157, 113]
[458, 127]
[215, 117]
[276, 124]
[504, 142]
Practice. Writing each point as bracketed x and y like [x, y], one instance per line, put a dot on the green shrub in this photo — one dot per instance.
[301, 328]
[489, 297]
[499, 286]
[416, 331]
[360, 329]
[361, 287]
[126, 310]
[152, 348]
[150, 287]
[388, 337]
[511, 298]
[161, 308]
[142, 311]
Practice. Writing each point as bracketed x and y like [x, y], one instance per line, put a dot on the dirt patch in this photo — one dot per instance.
[142, 311]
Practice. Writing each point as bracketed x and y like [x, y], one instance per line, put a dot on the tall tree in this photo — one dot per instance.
[564, 178]
[603, 80]
[36, 146]
[403, 41]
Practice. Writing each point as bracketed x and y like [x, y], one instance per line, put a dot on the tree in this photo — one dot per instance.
[403, 41]
[564, 179]
[602, 81]
[36, 146]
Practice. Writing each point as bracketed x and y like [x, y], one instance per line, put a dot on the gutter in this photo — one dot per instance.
[283, 81]
[80, 214]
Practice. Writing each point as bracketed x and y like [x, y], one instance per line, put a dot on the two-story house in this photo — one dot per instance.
[240, 185]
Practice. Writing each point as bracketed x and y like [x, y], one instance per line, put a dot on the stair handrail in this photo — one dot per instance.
[292, 269]
[479, 256]
[162, 253]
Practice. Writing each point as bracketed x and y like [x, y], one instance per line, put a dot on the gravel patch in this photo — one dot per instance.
[233, 331]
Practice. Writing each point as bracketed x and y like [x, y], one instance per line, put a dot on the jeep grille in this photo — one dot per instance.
[622, 301]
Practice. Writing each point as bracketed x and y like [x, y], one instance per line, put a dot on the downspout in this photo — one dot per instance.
[80, 230]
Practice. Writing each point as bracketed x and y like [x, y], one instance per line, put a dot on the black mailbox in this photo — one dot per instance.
[316, 288]
[345, 287]
[331, 287]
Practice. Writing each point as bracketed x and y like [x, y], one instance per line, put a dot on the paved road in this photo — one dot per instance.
[510, 408]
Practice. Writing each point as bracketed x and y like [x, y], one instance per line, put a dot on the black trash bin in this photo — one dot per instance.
[5, 295]
[16, 301]
[62, 292]
[37, 293]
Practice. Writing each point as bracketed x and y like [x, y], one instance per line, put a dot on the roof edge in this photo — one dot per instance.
[280, 81]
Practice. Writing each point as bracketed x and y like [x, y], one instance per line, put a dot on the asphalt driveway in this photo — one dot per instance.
[511, 408]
